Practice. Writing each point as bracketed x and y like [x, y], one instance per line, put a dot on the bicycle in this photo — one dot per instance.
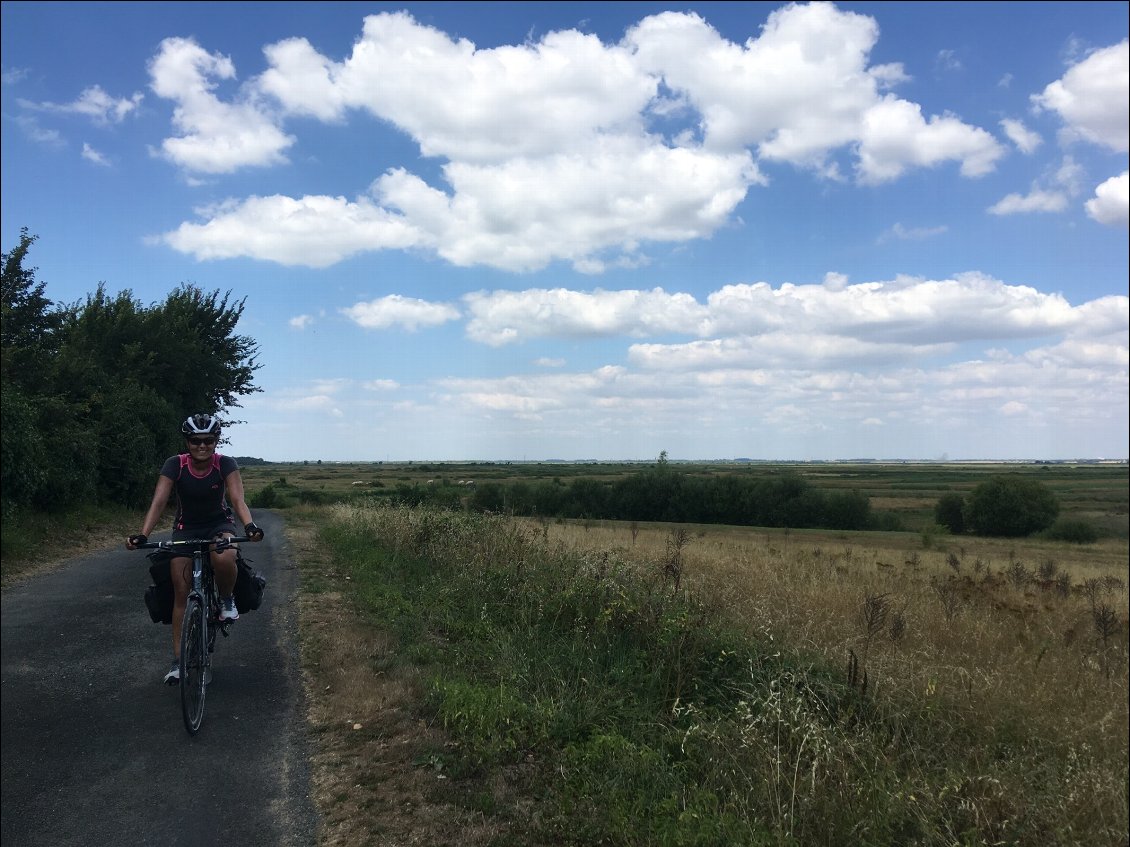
[200, 624]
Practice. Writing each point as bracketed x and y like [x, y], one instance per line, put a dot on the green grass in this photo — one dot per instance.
[28, 538]
[646, 718]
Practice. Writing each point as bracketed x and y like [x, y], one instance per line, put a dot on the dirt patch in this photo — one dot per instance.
[376, 773]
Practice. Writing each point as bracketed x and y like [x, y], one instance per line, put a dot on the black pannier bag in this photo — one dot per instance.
[159, 596]
[249, 585]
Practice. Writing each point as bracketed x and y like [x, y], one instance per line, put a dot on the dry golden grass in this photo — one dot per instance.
[902, 504]
[967, 622]
[990, 678]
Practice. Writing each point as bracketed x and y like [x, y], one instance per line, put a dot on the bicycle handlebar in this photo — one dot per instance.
[193, 543]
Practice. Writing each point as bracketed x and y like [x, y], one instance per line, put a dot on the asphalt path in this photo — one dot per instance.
[92, 744]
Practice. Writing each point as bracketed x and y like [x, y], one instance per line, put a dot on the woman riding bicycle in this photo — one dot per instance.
[209, 489]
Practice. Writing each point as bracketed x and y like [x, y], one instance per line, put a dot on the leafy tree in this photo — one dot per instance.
[210, 366]
[131, 373]
[658, 490]
[847, 510]
[518, 499]
[93, 393]
[785, 501]
[547, 498]
[133, 434]
[1010, 506]
[22, 475]
[185, 349]
[588, 498]
[488, 497]
[28, 319]
[949, 512]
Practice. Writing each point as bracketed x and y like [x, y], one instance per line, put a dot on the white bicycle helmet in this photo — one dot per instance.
[200, 425]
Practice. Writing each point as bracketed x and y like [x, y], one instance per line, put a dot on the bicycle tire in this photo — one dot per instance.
[211, 603]
[193, 665]
[213, 621]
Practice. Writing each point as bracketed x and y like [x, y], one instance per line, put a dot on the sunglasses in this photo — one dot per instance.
[201, 442]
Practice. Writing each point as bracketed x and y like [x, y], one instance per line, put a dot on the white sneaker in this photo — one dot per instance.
[228, 611]
[173, 676]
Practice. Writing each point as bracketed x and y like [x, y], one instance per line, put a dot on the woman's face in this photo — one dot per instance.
[201, 446]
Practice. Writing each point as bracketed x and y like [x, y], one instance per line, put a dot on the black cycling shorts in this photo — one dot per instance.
[204, 532]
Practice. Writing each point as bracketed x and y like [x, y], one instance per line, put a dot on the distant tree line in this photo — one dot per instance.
[93, 393]
[1006, 505]
[250, 461]
[1009, 505]
[663, 493]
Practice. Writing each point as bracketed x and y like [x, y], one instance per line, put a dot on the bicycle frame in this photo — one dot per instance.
[203, 589]
[199, 622]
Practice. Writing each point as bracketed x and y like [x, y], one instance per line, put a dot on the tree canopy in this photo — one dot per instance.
[1010, 506]
[93, 392]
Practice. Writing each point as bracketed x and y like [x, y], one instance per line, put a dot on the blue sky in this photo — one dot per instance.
[490, 231]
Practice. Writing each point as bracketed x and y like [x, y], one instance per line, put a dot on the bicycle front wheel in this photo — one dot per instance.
[193, 665]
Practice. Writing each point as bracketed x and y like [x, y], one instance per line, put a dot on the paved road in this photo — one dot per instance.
[92, 745]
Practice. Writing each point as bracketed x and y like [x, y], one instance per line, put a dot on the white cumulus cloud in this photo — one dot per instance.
[314, 231]
[93, 103]
[1026, 140]
[556, 150]
[500, 317]
[93, 156]
[1093, 98]
[1111, 203]
[216, 137]
[1038, 200]
[903, 311]
[409, 313]
[896, 137]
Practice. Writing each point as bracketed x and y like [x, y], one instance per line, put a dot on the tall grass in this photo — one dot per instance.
[669, 697]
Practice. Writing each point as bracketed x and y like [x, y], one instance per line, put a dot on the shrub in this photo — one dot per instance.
[265, 498]
[950, 512]
[932, 532]
[313, 497]
[1010, 506]
[1074, 531]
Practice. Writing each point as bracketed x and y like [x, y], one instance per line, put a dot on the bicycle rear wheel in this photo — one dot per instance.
[193, 665]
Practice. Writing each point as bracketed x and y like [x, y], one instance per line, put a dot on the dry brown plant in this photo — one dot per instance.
[1006, 653]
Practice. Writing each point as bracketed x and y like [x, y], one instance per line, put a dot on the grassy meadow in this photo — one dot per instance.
[662, 684]
[1094, 493]
[598, 682]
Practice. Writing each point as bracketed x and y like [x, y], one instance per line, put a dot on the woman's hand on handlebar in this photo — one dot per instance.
[135, 541]
[253, 532]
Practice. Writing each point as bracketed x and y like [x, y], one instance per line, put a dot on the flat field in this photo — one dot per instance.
[816, 687]
[1096, 493]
